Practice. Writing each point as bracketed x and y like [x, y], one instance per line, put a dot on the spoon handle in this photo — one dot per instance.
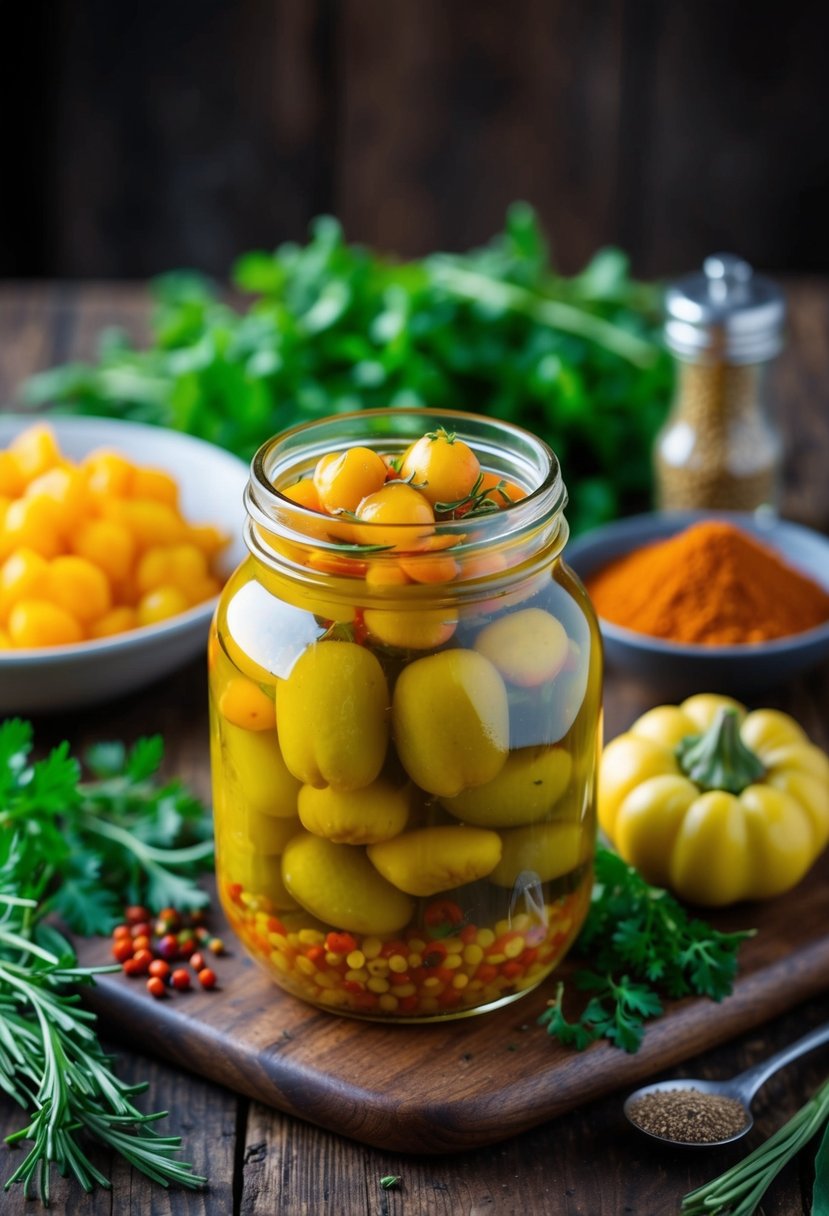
[747, 1083]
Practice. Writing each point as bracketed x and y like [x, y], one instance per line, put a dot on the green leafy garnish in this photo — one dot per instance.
[642, 946]
[91, 847]
[334, 327]
[80, 850]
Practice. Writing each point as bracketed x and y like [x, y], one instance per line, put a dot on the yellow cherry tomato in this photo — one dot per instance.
[450, 718]
[332, 716]
[415, 629]
[245, 704]
[443, 467]
[304, 493]
[398, 517]
[342, 479]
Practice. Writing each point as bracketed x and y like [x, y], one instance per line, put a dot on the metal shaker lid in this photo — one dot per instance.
[724, 311]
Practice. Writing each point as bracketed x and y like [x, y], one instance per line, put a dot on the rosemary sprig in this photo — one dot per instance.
[740, 1189]
[53, 1065]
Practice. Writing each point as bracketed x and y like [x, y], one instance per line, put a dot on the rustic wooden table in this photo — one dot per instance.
[587, 1163]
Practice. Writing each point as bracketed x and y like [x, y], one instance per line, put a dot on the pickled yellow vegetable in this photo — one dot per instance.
[339, 885]
[430, 860]
[261, 777]
[546, 849]
[526, 789]
[450, 718]
[243, 703]
[376, 812]
[331, 716]
[528, 647]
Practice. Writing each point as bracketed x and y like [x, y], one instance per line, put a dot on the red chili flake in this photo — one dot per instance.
[180, 979]
[234, 890]
[207, 977]
[316, 955]
[340, 943]
[156, 987]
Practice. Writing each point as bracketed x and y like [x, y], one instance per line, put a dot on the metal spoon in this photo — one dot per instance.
[743, 1087]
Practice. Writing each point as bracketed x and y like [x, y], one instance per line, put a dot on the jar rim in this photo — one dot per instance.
[518, 454]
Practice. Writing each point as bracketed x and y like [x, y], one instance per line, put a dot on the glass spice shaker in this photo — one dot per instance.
[719, 448]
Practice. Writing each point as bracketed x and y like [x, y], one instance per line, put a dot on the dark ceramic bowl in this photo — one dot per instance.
[677, 670]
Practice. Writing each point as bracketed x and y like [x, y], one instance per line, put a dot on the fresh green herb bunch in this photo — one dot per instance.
[78, 850]
[333, 327]
[86, 848]
[51, 1062]
[642, 945]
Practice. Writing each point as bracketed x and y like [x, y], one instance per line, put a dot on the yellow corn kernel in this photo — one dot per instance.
[35, 450]
[35, 523]
[244, 704]
[156, 484]
[108, 473]
[35, 623]
[23, 575]
[117, 620]
[210, 539]
[11, 478]
[66, 487]
[160, 605]
[108, 544]
[80, 587]
[151, 523]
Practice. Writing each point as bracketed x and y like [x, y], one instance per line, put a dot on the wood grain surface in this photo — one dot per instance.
[448, 1086]
[587, 1162]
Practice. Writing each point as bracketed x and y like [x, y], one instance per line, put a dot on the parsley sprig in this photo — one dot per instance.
[91, 847]
[77, 850]
[642, 945]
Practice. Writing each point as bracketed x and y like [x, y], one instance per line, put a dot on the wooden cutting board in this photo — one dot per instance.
[456, 1085]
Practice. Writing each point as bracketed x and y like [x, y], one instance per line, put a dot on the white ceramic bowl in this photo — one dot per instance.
[211, 483]
[677, 670]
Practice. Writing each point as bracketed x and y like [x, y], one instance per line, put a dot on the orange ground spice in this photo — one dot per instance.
[712, 584]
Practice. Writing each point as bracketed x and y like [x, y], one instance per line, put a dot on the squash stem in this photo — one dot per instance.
[718, 759]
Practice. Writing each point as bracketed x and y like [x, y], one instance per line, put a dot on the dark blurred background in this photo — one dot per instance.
[144, 136]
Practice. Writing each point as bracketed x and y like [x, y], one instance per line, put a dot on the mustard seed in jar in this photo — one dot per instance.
[719, 448]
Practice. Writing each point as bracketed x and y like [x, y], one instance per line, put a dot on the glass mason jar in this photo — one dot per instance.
[405, 726]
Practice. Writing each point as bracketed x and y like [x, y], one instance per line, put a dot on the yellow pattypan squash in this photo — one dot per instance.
[715, 803]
